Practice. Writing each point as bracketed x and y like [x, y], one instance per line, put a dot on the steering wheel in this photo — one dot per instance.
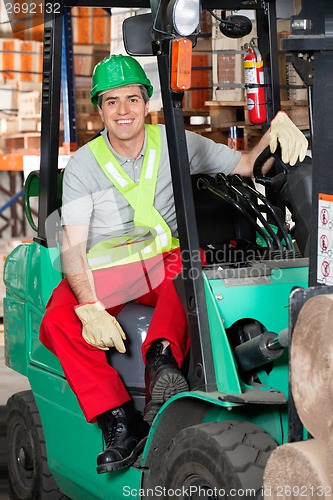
[277, 181]
[294, 185]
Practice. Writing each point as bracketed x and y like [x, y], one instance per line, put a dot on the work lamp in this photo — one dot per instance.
[183, 16]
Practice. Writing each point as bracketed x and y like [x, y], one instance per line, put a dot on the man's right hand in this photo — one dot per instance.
[100, 329]
[293, 143]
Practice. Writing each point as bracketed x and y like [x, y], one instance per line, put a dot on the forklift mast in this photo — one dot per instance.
[201, 374]
[311, 45]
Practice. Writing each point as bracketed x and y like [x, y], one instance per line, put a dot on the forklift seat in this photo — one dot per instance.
[31, 190]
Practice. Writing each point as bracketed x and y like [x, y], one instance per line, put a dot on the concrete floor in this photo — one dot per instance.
[10, 382]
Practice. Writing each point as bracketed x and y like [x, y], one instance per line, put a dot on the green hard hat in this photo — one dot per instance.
[117, 71]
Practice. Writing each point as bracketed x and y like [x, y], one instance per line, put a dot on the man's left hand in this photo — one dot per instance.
[293, 143]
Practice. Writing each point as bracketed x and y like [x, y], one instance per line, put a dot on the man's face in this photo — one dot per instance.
[123, 112]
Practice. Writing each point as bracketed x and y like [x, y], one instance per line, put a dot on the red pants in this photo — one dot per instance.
[96, 384]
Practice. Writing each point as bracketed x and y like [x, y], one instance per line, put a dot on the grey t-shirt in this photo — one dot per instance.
[89, 197]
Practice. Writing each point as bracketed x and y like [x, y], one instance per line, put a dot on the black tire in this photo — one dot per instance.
[217, 460]
[29, 475]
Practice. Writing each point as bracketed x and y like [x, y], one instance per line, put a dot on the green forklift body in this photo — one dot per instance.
[261, 298]
[32, 272]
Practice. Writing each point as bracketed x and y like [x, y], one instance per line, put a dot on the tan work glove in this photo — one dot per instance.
[100, 329]
[293, 143]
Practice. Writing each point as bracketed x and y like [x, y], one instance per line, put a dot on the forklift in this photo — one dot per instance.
[214, 440]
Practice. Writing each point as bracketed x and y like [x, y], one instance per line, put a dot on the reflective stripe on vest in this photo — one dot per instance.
[147, 220]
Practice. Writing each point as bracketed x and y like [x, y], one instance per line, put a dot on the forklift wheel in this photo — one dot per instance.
[217, 460]
[29, 475]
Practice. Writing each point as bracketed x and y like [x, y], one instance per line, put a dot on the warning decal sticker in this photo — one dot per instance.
[325, 240]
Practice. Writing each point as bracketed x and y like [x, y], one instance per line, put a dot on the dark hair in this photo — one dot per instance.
[144, 93]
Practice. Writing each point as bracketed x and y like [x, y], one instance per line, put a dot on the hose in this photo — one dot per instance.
[248, 201]
[204, 184]
[270, 208]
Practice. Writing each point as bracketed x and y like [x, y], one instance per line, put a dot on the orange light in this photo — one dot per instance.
[181, 64]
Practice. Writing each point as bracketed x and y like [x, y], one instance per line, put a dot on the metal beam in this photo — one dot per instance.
[126, 4]
[206, 4]
[322, 147]
[68, 65]
[50, 118]
[201, 371]
[312, 40]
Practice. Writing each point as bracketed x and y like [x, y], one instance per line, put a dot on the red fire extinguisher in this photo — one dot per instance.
[254, 81]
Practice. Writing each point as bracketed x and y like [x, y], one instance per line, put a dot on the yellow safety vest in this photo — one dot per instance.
[127, 249]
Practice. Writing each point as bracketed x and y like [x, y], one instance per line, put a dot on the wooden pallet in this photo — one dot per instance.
[226, 114]
[10, 143]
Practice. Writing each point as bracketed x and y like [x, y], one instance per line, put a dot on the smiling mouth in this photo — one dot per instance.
[124, 122]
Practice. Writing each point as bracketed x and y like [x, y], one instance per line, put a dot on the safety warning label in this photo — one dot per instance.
[325, 240]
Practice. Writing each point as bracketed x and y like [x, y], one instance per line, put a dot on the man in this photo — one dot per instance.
[120, 244]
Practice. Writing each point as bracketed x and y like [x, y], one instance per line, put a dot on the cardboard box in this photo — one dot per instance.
[34, 33]
[29, 103]
[83, 60]
[8, 98]
[29, 86]
[228, 71]
[10, 58]
[8, 125]
[82, 101]
[86, 57]
[91, 26]
[28, 123]
[82, 25]
[21, 60]
[101, 30]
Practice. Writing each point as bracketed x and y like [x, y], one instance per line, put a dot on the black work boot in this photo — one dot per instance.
[124, 432]
[163, 379]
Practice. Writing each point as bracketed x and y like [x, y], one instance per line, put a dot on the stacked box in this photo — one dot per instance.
[83, 60]
[29, 111]
[83, 104]
[21, 60]
[8, 98]
[29, 103]
[86, 57]
[101, 27]
[82, 25]
[8, 125]
[91, 26]
[10, 58]
[87, 117]
[35, 33]
[228, 68]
